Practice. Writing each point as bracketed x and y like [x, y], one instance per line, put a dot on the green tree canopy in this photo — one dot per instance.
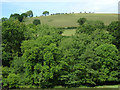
[12, 35]
[45, 13]
[4, 19]
[24, 15]
[15, 16]
[29, 13]
[36, 22]
[81, 21]
[114, 29]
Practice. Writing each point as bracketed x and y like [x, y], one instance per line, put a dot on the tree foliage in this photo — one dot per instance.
[24, 15]
[29, 13]
[38, 56]
[4, 19]
[45, 13]
[114, 30]
[17, 16]
[81, 21]
[12, 35]
[36, 22]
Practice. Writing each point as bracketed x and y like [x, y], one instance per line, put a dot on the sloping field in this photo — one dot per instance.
[70, 20]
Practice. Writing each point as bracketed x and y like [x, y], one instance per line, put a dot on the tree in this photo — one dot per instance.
[96, 24]
[4, 19]
[20, 18]
[114, 30]
[12, 35]
[13, 80]
[29, 13]
[42, 59]
[24, 15]
[45, 13]
[17, 16]
[81, 21]
[107, 58]
[36, 22]
[86, 28]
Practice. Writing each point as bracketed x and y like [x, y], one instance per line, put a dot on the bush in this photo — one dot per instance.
[13, 80]
[36, 22]
[86, 28]
[97, 24]
[114, 29]
[81, 21]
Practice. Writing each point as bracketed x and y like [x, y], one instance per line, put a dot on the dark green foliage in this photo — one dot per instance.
[41, 60]
[45, 13]
[20, 18]
[4, 19]
[24, 15]
[17, 16]
[114, 29]
[39, 56]
[36, 22]
[29, 13]
[81, 21]
[12, 36]
[107, 55]
[6, 58]
[86, 28]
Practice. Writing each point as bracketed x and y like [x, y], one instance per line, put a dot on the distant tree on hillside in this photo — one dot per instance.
[15, 16]
[45, 13]
[36, 22]
[24, 15]
[29, 13]
[81, 21]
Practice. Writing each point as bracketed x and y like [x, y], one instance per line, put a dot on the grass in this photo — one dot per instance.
[70, 20]
[104, 86]
[108, 86]
[69, 32]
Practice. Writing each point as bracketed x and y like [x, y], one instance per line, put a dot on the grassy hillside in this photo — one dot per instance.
[69, 20]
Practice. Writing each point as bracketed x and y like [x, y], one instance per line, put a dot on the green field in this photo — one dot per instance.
[108, 86]
[69, 32]
[70, 20]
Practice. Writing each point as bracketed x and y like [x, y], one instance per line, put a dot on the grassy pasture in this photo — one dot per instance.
[108, 86]
[69, 32]
[70, 20]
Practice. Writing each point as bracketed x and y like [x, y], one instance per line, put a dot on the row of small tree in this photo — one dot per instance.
[22, 16]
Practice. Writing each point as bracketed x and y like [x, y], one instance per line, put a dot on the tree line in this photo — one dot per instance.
[22, 16]
[38, 56]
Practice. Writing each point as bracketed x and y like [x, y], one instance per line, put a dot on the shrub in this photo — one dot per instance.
[13, 80]
[97, 24]
[81, 21]
[36, 22]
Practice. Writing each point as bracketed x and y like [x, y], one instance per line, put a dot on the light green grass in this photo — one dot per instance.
[69, 32]
[108, 86]
[70, 20]
[104, 86]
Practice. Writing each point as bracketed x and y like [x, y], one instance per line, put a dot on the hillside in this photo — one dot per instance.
[69, 20]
